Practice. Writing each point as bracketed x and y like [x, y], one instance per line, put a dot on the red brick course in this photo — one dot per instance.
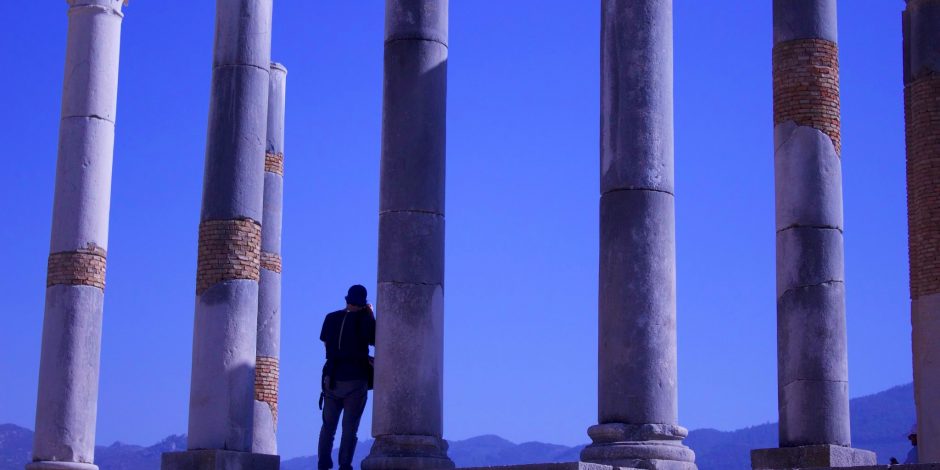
[77, 268]
[271, 261]
[806, 86]
[922, 116]
[274, 163]
[228, 250]
[267, 373]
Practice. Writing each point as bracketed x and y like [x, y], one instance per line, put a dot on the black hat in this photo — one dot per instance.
[357, 295]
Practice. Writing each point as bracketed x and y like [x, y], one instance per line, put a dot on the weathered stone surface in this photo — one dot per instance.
[67, 403]
[233, 184]
[814, 412]
[826, 456]
[264, 436]
[637, 307]
[414, 126]
[808, 176]
[923, 56]
[925, 322]
[636, 95]
[412, 247]
[221, 404]
[273, 213]
[409, 360]
[416, 19]
[392, 452]
[811, 338]
[243, 34]
[534, 466]
[809, 256]
[60, 466]
[92, 58]
[805, 19]
[218, 460]
[649, 464]
[269, 314]
[82, 200]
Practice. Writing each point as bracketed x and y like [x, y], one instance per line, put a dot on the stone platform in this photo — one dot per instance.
[533, 466]
[815, 456]
[218, 460]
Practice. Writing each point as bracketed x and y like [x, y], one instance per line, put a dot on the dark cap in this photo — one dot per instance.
[357, 295]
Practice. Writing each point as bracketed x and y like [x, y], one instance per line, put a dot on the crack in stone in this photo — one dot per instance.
[637, 189]
[409, 38]
[222, 66]
[815, 380]
[411, 211]
[89, 116]
[818, 227]
[409, 283]
[807, 286]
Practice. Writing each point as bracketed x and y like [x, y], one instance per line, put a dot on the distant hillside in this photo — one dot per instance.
[880, 423]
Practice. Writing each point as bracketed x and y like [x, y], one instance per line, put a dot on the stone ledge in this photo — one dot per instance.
[910, 466]
[815, 456]
[214, 459]
[530, 466]
[49, 465]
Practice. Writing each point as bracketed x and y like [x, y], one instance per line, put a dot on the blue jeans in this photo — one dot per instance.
[349, 399]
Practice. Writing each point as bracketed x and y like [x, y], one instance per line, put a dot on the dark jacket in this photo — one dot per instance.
[347, 337]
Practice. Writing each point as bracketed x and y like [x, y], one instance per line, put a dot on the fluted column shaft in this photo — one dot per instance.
[922, 116]
[71, 340]
[221, 404]
[267, 363]
[407, 419]
[637, 393]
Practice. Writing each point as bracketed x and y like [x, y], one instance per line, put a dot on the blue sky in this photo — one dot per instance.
[522, 194]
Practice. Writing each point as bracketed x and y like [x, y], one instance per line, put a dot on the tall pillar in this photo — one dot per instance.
[407, 421]
[267, 362]
[637, 401]
[221, 407]
[67, 402]
[922, 113]
[812, 359]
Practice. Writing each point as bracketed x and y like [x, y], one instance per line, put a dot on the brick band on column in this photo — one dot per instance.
[274, 163]
[77, 268]
[923, 172]
[806, 86]
[271, 261]
[228, 250]
[267, 372]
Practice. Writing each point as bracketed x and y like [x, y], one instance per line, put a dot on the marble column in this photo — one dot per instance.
[267, 361]
[921, 22]
[221, 407]
[637, 397]
[407, 420]
[67, 401]
[812, 359]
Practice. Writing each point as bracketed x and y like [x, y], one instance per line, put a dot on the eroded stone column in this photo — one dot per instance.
[221, 407]
[922, 116]
[812, 359]
[267, 361]
[407, 420]
[637, 397]
[67, 401]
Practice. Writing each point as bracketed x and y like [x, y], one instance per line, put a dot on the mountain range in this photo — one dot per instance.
[880, 423]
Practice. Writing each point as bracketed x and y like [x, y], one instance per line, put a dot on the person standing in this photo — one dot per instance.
[347, 375]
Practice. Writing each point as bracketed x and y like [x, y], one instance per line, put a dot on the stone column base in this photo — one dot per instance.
[412, 452]
[824, 456]
[60, 466]
[619, 446]
[214, 459]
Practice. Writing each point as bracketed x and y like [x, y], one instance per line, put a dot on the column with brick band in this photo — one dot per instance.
[921, 22]
[812, 359]
[407, 421]
[221, 407]
[71, 339]
[269, 293]
[637, 393]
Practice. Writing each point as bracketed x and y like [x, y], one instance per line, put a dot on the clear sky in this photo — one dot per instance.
[522, 201]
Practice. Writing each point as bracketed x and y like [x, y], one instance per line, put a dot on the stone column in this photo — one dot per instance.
[71, 337]
[812, 360]
[407, 419]
[269, 294]
[637, 402]
[922, 116]
[221, 407]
